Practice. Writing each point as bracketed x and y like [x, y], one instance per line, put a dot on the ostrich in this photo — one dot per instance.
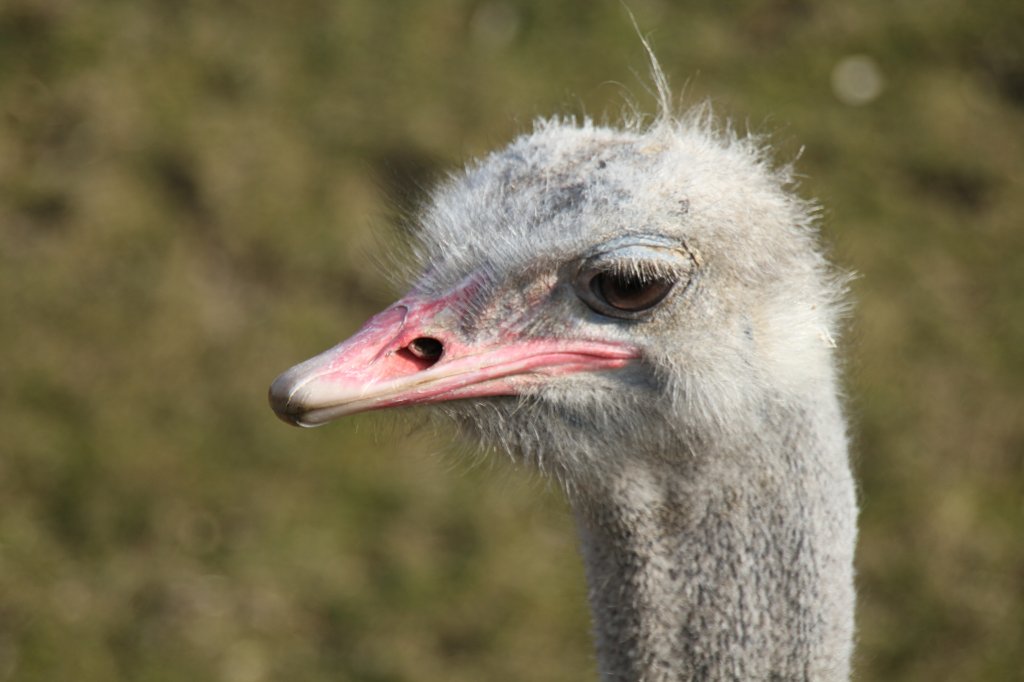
[642, 313]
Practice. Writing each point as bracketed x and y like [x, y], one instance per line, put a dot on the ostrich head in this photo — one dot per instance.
[642, 313]
[590, 297]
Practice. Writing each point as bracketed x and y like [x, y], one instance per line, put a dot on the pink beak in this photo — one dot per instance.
[412, 353]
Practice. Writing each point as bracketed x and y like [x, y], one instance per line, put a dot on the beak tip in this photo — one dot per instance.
[280, 397]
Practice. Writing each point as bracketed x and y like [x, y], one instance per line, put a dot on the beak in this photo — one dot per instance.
[413, 353]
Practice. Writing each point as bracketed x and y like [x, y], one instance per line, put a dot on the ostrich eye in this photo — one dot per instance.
[628, 277]
[630, 293]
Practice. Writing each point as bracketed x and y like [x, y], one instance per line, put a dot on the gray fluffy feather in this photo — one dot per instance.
[710, 481]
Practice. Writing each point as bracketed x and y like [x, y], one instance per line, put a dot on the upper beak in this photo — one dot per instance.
[412, 353]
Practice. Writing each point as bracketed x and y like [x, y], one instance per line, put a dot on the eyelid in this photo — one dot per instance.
[655, 256]
[647, 265]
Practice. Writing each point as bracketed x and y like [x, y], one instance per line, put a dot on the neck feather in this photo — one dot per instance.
[736, 566]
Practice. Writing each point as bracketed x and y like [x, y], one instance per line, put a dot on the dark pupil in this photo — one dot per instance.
[630, 292]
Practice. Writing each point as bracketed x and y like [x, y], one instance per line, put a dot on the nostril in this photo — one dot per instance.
[427, 349]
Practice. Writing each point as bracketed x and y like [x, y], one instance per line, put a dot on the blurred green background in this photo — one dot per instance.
[195, 195]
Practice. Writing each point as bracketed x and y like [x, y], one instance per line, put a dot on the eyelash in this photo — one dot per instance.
[644, 270]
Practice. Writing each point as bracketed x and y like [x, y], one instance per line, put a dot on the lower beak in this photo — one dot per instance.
[410, 355]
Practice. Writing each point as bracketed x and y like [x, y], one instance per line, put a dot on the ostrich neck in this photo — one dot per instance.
[737, 568]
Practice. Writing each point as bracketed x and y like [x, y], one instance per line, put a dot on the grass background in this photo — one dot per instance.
[190, 197]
